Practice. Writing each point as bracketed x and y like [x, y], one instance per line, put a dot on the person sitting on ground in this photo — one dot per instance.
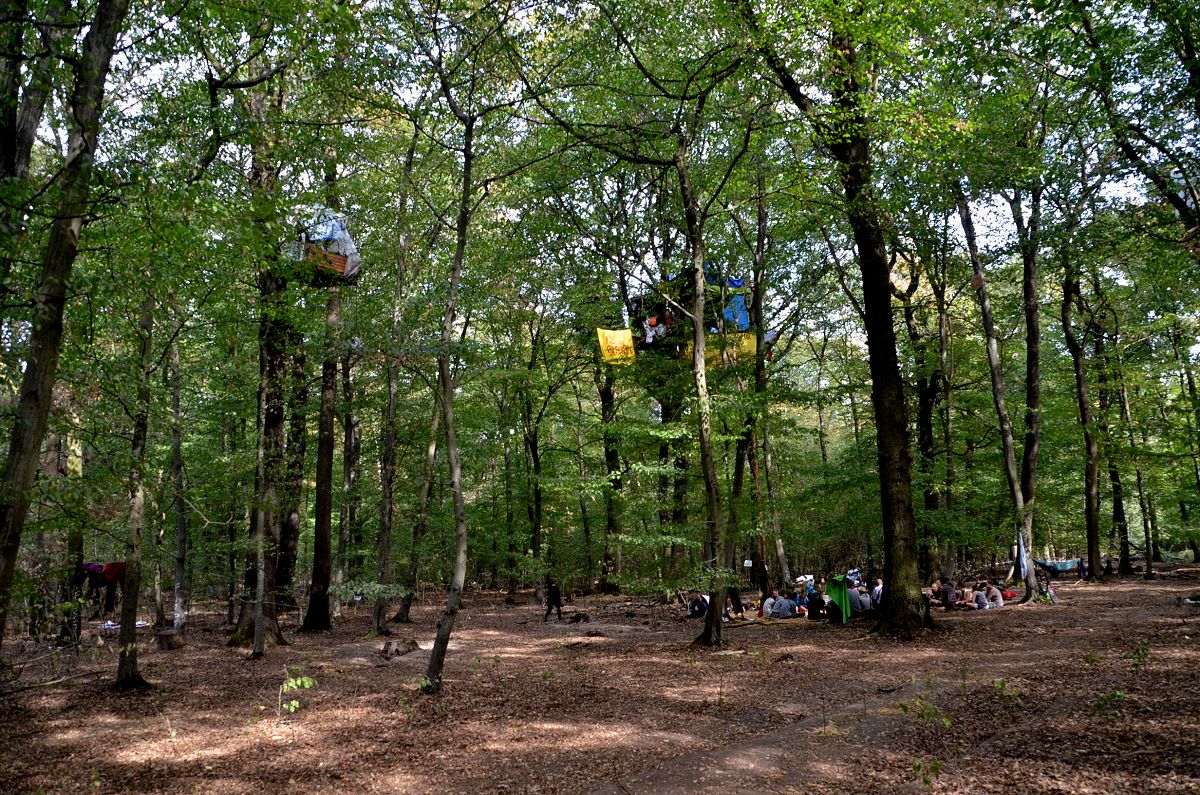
[948, 595]
[995, 597]
[732, 610]
[816, 606]
[877, 593]
[784, 608]
[833, 613]
[698, 606]
[769, 603]
[974, 598]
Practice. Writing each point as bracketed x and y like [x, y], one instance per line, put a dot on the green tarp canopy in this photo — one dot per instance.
[839, 592]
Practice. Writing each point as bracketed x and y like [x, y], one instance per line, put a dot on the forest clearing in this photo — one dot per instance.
[339, 339]
[1100, 693]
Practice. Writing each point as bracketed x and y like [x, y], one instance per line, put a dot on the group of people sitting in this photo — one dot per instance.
[809, 600]
[983, 595]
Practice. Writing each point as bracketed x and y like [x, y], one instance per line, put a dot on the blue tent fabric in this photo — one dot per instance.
[737, 313]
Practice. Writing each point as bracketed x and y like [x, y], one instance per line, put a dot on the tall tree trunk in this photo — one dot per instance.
[317, 617]
[41, 359]
[412, 572]
[128, 677]
[533, 457]
[715, 525]
[181, 519]
[1119, 519]
[1091, 474]
[1016, 495]
[785, 571]
[293, 495]
[387, 473]
[1143, 502]
[1029, 237]
[612, 470]
[437, 657]
[257, 621]
[848, 142]
[387, 488]
[344, 557]
[73, 579]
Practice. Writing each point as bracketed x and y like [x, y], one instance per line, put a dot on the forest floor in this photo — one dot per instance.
[1100, 693]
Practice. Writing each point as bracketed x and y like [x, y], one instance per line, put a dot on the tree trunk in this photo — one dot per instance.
[350, 557]
[293, 496]
[258, 621]
[437, 657]
[612, 469]
[128, 677]
[73, 184]
[387, 488]
[848, 142]
[712, 633]
[412, 572]
[1021, 525]
[73, 579]
[1029, 237]
[1091, 474]
[181, 523]
[317, 617]
[388, 453]
[785, 571]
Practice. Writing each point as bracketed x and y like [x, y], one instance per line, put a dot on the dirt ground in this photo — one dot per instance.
[1098, 694]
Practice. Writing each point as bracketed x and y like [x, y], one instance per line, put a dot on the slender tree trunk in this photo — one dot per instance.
[437, 657]
[258, 621]
[412, 572]
[317, 617]
[344, 558]
[128, 677]
[73, 579]
[1119, 519]
[387, 488]
[387, 474]
[181, 519]
[1091, 475]
[41, 359]
[1029, 237]
[772, 498]
[1016, 495]
[293, 497]
[612, 469]
[712, 633]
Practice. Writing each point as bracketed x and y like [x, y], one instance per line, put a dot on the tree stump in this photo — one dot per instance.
[169, 640]
[398, 648]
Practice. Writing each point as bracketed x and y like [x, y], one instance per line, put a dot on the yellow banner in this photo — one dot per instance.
[616, 346]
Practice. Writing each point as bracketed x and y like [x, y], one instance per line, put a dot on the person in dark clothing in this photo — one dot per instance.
[553, 600]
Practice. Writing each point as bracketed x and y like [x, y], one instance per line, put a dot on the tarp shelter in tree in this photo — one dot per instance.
[325, 243]
[659, 325]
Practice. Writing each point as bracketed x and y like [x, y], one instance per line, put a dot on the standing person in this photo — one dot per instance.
[553, 600]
